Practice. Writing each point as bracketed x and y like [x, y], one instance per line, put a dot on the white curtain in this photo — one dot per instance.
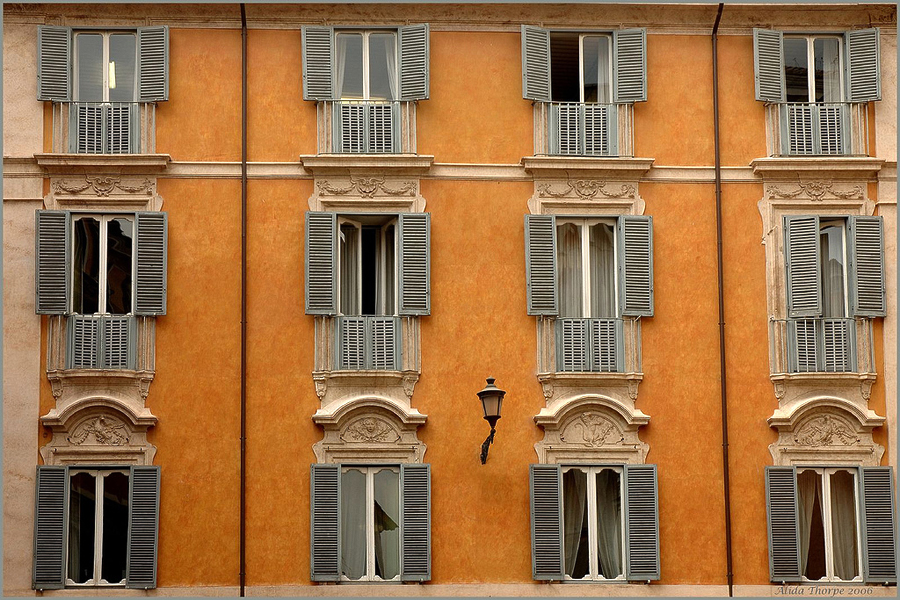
[603, 288]
[828, 69]
[843, 525]
[568, 241]
[609, 523]
[391, 60]
[832, 264]
[349, 248]
[387, 519]
[353, 524]
[340, 60]
[575, 499]
[808, 488]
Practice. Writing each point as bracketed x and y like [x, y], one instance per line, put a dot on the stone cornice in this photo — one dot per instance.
[838, 167]
[67, 164]
[394, 164]
[587, 166]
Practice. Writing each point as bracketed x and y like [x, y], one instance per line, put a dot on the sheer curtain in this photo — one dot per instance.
[843, 525]
[568, 258]
[831, 249]
[349, 247]
[827, 53]
[390, 59]
[575, 499]
[603, 287]
[387, 517]
[353, 524]
[609, 523]
[808, 488]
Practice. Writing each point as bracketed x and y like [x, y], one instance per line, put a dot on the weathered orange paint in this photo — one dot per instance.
[742, 118]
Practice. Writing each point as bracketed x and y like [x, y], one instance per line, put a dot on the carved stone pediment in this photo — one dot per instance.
[369, 430]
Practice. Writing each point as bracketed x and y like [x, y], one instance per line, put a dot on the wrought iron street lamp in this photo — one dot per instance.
[491, 400]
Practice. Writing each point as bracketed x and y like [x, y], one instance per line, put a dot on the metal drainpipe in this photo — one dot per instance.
[243, 543]
[722, 368]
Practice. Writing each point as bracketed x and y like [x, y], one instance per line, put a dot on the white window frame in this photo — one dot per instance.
[811, 63]
[104, 247]
[369, 471]
[842, 223]
[381, 260]
[584, 226]
[609, 69]
[105, 35]
[365, 33]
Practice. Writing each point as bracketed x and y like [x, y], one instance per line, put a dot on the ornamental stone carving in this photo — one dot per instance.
[101, 430]
[817, 191]
[103, 185]
[366, 187]
[592, 429]
[369, 429]
[587, 189]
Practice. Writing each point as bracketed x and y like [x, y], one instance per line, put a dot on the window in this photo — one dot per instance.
[584, 82]
[367, 264]
[594, 522]
[80, 541]
[831, 524]
[103, 84]
[371, 523]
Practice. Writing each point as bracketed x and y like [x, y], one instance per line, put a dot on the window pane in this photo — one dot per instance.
[349, 261]
[390, 268]
[387, 523]
[843, 525]
[371, 238]
[568, 260]
[603, 271]
[595, 72]
[86, 261]
[121, 67]
[812, 529]
[609, 523]
[827, 53]
[831, 250]
[575, 523]
[796, 70]
[115, 527]
[382, 66]
[118, 266]
[564, 72]
[81, 527]
[89, 72]
[349, 65]
[353, 524]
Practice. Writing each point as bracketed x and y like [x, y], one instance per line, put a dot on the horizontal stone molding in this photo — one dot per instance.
[102, 163]
[396, 164]
[838, 167]
[587, 166]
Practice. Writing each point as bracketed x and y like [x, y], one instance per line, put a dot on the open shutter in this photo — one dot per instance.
[414, 56]
[867, 267]
[768, 65]
[151, 232]
[801, 256]
[54, 63]
[783, 523]
[52, 261]
[50, 527]
[863, 65]
[636, 265]
[415, 268]
[318, 56]
[143, 527]
[546, 522]
[324, 525]
[415, 538]
[641, 523]
[540, 264]
[535, 63]
[153, 64]
[879, 529]
[630, 65]
[321, 274]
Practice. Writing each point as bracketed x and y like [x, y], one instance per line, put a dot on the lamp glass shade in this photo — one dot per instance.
[491, 403]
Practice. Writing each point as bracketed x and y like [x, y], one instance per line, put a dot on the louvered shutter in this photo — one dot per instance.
[321, 272]
[414, 57]
[641, 523]
[839, 355]
[546, 522]
[803, 340]
[630, 65]
[863, 69]
[607, 352]
[118, 342]
[325, 526]
[318, 59]
[50, 527]
[121, 131]
[801, 256]
[535, 63]
[879, 528]
[414, 264]
[415, 537]
[768, 65]
[83, 342]
[52, 232]
[151, 234]
[636, 265]
[88, 138]
[384, 349]
[153, 64]
[867, 295]
[572, 345]
[143, 527]
[352, 343]
[54, 63]
[540, 264]
[381, 128]
[783, 524]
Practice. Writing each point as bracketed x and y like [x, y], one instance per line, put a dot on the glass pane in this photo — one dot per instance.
[812, 529]
[371, 239]
[564, 71]
[382, 66]
[81, 527]
[349, 262]
[827, 53]
[568, 262]
[387, 523]
[796, 70]
[609, 523]
[349, 65]
[115, 527]
[595, 70]
[843, 525]
[353, 524]
[86, 261]
[118, 266]
[603, 271]
[390, 268]
[831, 250]
[89, 67]
[575, 523]
[121, 67]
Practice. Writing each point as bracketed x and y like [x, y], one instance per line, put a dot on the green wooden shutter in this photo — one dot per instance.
[546, 522]
[351, 347]
[82, 342]
[321, 271]
[630, 65]
[384, 343]
[325, 525]
[636, 265]
[89, 125]
[535, 63]
[143, 527]
[878, 525]
[54, 63]
[50, 528]
[52, 234]
[153, 64]
[572, 345]
[641, 523]
[121, 129]
[867, 296]
[414, 57]
[863, 65]
[414, 264]
[415, 510]
[783, 524]
[540, 264]
[318, 61]
[151, 235]
[118, 342]
[801, 255]
[768, 65]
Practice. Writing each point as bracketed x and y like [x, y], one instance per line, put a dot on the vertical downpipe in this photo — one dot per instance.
[243, 545]
[722, 368]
